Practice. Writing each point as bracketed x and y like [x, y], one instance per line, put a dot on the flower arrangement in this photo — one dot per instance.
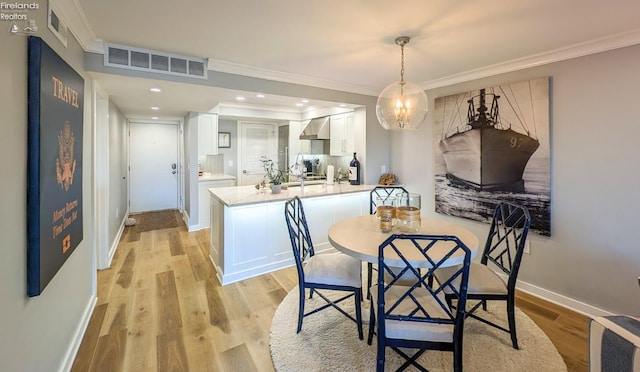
[275, 175]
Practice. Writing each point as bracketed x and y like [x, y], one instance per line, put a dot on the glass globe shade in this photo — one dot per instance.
[401, 105]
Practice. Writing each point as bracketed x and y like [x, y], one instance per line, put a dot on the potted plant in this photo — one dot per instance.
[275, 176]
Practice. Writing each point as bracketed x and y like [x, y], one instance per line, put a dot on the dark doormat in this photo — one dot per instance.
[156, 220]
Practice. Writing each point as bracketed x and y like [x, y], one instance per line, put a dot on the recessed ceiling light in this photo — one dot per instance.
[155, 108]
[305, 101]
[299, 104]
[240, 98]
[260, 95]
[156, 90]
[154, 117]
[343, 105]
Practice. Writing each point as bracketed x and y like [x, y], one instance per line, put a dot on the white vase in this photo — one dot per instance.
[275, 189]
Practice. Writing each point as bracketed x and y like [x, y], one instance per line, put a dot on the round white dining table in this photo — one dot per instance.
[360, 237]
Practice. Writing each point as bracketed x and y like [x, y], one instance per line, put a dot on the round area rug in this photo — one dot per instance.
[329, 341]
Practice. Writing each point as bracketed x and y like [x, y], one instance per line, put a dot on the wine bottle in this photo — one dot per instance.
[354, 171]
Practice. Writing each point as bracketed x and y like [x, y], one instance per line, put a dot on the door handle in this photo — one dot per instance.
[173, 166]
[244, 171]
[174, 172]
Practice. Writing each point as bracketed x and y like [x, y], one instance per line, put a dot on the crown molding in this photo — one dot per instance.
[72, 15]
[599, 45]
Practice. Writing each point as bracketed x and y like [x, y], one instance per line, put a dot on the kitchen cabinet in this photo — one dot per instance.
[342, 142]
[207, 133]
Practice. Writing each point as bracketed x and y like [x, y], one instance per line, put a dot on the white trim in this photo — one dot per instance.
[116, 241]
[197, 227]
[101, 177]
[72, 350]
[185, 218]
[562, 300]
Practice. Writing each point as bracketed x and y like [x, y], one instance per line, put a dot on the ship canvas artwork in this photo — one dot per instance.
[492, 144]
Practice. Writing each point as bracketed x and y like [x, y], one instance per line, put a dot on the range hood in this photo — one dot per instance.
[316, 129]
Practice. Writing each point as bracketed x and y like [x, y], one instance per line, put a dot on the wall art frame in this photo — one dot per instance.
[493, 144]
[224, 139]
[54, 164]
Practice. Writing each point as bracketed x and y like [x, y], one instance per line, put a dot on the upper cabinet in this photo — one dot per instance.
[207, 134]
[342, 141]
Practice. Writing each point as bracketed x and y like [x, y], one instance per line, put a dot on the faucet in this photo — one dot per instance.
[299, 166]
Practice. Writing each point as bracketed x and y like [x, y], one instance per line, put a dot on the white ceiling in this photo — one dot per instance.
[347, 45]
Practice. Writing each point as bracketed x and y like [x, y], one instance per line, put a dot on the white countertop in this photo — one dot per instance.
[242, 195]
[215, 177]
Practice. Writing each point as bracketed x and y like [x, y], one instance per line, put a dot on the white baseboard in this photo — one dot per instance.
[78, 335]
[116, 241]
[190, 228]
[558, 299]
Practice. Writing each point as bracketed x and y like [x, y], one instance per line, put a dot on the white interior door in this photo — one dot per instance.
[257, 140]
[153, 166]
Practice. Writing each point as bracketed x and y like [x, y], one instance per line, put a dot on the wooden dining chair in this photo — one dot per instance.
[418, 316]
[503, 252]
[383, 193]
[336, 271]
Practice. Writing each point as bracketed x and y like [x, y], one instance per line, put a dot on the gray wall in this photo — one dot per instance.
[226, 125]
[593, 255]
[36, 333]
[118, 150]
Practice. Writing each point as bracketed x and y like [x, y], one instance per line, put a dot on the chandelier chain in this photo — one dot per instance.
[402, 63]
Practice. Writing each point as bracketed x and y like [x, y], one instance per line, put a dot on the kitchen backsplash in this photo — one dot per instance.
[338, 162]
[213, 164]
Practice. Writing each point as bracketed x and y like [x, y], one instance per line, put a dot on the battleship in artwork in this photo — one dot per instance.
[485, 154]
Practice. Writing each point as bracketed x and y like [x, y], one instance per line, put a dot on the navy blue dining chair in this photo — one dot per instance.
[419, 316]
[335, 271]
[495, 277]
[382, 193]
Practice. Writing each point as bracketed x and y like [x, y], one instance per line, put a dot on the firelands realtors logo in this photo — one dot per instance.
[16, 11]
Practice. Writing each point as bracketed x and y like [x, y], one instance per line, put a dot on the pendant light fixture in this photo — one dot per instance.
[401, 105]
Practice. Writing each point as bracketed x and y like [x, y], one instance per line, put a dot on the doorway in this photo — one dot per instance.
[257, 140]
[153, 166]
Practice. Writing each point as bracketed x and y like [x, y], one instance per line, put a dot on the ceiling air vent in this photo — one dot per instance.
[147, 60]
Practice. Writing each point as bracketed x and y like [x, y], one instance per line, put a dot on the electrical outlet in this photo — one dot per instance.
[383, 169]
[527, 247]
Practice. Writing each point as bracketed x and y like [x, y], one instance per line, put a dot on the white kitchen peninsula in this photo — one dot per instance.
[249, 235]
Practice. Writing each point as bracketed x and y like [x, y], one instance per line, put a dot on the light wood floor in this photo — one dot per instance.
[160, 307]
